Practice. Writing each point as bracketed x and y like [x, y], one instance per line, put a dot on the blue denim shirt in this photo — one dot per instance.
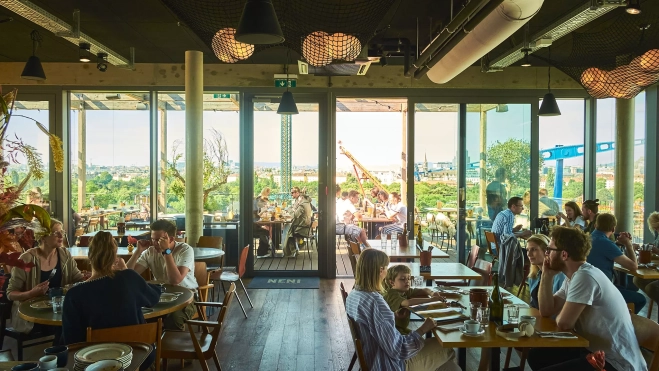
[534, 285]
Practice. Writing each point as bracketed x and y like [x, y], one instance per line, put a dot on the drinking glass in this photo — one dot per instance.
[418, 282]
[474, 307]
[57, 302]
[484, 316]
[394, 240]
[513, 314]
[383, 240]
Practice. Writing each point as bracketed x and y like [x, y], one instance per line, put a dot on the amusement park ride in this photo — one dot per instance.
[357, 166]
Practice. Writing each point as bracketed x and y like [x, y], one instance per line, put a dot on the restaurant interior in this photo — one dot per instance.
[283, 142]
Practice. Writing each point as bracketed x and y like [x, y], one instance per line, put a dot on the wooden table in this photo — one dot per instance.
[47, 317]
[644, 273]
[490, 339]
[443, 271]
[200, 253]
[114, 233]
[137, 224]
[275, 227]
[372, 225]
[409, 253]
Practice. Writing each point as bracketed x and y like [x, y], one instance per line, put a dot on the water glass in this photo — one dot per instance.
[57, 302]
[417, 282]
[474, 307]
[383, 240]
[394, 240]
[484, 316]
[513, 314]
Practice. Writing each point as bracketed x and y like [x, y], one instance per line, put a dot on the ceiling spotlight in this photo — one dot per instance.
[33, 69]
[84, 52]
[102, 62]
[633, 7]
[526, 62]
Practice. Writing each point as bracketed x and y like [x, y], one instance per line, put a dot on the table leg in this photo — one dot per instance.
[462, 358]
[495, 359]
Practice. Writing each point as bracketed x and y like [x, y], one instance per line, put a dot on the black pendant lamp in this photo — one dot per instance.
[259, 24]
[33, 69]
[287, 104]
[549, 107]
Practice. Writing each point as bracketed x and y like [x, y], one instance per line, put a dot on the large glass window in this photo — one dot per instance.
[562, 157]
[605, 157]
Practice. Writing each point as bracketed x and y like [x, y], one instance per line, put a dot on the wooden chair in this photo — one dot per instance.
[203, 281]
[524, 352]
[344, 296]
[651, 304]
[492, 242]
[527, 270]
[353, 254]
[357, 340]
[647, 334]
[150, 333]
[471, 260]
[235, 274]
[33, 337]
[484, 268]
[6, 356]
[186, 345]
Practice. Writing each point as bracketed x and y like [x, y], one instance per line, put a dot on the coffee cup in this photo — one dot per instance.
[472, 326]
[47, 362]
[61, 352]
[526, 318]
[26, 367]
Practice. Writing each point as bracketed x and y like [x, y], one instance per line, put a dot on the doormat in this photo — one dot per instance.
[284, 283]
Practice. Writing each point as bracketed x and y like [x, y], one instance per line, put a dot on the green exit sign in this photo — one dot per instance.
[222, 95]
[281, 83]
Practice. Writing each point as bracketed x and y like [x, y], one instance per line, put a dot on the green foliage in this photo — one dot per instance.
[514, 156]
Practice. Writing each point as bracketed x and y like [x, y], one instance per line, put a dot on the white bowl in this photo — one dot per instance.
[106, 365]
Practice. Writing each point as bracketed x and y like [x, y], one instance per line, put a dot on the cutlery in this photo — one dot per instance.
[52, 273]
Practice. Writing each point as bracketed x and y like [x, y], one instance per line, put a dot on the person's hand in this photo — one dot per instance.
[163, 243]
[624, 238]
[546, 268]
[86, 275]
[119, 264]
[438, 296]
[517, 228]
[402, 313]
[40, 289]
[142, 245]
[428, 325]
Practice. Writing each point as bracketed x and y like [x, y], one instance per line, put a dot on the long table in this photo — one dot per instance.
[494, 342]
[409, 253]
[644, 273]
[443, 271]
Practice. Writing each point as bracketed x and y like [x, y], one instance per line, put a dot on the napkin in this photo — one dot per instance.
[450, 327]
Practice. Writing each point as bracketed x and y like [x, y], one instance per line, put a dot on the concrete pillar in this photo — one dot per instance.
[482, 161]
[162, 194]
[403, 159]
[82, 154]
[194, 143]
[623, 189]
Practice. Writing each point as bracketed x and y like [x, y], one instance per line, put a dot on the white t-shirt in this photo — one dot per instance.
[183, 256]
[605, 321]
[578, 221]
[341, 207]
[401, 213]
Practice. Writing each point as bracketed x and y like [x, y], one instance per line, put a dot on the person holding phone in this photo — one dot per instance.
[170, 262]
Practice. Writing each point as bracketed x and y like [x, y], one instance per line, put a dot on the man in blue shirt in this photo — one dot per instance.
[604, 253]
[505, 220]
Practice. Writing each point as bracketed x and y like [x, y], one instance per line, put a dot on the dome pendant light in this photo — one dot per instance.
[33, 69]
[549, 107]
[633, 7]
[259, 24]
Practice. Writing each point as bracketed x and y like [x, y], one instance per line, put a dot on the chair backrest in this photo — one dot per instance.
[243, 261]
[647, 334]
[203, 279]
[83, 241]
[150, 333]
[473, 256]
[215, 242]
[357, 340]
[491, 242]
[344, 293]
[354, 248]
[484, 268]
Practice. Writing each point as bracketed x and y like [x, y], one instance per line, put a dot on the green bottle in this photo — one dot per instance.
[496, 301]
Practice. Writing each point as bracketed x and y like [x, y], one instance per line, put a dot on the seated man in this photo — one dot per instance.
[345, 218]
[170, 262]
[503, 223]
[605, 253]
[588, 303]
[301, 223]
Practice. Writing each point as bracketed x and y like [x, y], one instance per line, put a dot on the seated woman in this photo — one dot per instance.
[536, 246]
[54, 267]
[112, 297]
[384, 347]
[572, 217]
[396, 212]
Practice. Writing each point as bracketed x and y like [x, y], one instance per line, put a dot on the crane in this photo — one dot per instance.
[366, 175]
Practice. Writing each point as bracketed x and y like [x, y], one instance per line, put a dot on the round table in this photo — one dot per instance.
[47, 317]
[200, 253]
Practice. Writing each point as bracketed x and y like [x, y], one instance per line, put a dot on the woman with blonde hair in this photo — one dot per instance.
[573, 217]
[112, 297]
[384, 347]
[536, 248]
[651, 287]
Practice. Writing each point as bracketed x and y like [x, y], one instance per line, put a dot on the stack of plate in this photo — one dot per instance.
[97, 352]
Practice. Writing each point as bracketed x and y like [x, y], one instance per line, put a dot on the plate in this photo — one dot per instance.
[43, 304]
[167, 297]
[103, 351]
[147, 310]
[472, 334]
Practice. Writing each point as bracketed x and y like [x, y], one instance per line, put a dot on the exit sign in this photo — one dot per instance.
[281, 83]
[222, 95]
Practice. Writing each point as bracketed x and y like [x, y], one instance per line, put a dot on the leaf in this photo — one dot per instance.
[29, 213]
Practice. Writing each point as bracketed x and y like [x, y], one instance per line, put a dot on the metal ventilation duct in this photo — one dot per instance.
[572, 21]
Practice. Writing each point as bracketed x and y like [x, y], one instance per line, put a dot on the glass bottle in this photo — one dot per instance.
[419, 239]
[545, 228]
[496, 301]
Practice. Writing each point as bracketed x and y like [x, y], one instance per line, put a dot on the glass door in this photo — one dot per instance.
[286, 188]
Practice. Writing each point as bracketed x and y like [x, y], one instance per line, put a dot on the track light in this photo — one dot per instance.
[633, 7]
[101, 62]
[33, 69]
[84, 52]
[259, 24]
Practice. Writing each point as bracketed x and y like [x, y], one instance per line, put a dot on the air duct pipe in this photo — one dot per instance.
[494, 29]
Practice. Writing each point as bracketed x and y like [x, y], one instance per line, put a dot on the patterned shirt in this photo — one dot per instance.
[503, 224]
[384, 347]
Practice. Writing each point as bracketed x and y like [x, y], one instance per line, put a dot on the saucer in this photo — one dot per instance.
[472, 334]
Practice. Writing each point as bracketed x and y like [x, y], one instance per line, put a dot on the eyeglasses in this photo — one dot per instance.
[57, 234]
[549, 250]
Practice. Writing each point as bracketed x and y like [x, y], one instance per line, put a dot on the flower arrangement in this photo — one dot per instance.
[14, 214]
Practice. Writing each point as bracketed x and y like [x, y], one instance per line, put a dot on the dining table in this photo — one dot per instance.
[46, 316]
[117, 235]
[407, 253]
[276, 228]
[442, 271]
[490, 340]
[372, 225]
[140, 353]
[643, 271]
[200, 253]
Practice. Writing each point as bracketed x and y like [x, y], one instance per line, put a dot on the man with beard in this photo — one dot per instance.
[588, 303]
[590, 210]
